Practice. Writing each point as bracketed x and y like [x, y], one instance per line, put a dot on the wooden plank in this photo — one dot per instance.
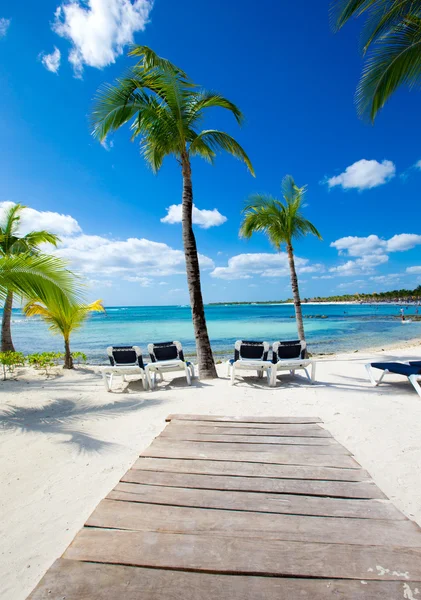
[249, 439]
[308, 487]
[244, 556]
[179, 519]
[75, 580]
[256, 443]
[250, 429]
[288, 455]
[222, 419]
[249, 469]
[259, 502]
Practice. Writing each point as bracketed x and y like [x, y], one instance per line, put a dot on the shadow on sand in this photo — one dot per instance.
[65, 417]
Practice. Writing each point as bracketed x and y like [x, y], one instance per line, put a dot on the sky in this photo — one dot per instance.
[294, 80]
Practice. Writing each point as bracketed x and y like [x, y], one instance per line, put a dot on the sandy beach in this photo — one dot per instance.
[65, 442]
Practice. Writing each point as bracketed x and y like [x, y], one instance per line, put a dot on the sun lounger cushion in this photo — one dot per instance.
[250, 350]
[125, 355]
[166, 351]
[289, 350]
[398, 368]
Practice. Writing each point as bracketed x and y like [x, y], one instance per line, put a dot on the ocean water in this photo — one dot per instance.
[345, 328]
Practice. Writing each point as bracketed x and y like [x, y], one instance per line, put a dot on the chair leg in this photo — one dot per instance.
[106, 382]
[371, 375]
[259, 373]
[145, 382]
[414, 379]
[313, 372]
[188, 376]
[232, 374]
[273, 374]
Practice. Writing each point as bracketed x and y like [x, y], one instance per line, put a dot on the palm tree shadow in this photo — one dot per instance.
[62, 417]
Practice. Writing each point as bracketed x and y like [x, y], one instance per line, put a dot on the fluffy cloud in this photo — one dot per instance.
[125, 258]
[244, 266]
[51, 61]
[364, 174]
[142, 281]
[204, 218]
[32, 220]
[360, 266]
[414, 270]
[4, 26]
[99, 29]
[403, 242]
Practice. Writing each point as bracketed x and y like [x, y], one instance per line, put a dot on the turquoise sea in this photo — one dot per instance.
[346, 328]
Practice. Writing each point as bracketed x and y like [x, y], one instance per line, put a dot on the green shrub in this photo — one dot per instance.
[44, 360]
[79, 357]
[11, 360]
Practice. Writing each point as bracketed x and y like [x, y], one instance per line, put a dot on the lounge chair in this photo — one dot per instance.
[411, 370]
[124, 360]
[250, 356]
[167, 357]
[291, 356]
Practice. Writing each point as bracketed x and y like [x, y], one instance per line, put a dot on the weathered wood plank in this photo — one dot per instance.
[292, 455]
[222, 419]
[259, 502]
[250, 439]
[260, 444]
[249, 469]
[341, 489]
[175, 519]
[75, 580]
[250, 429]
[239, 555]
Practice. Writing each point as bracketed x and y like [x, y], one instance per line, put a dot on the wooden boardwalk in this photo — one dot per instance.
[241, 509]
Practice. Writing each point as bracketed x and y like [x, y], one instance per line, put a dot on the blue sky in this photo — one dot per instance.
[294, 80]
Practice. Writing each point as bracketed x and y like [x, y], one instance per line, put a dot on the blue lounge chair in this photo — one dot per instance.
[250, 356]
[411, 370]
[124, 360]
[167, 357]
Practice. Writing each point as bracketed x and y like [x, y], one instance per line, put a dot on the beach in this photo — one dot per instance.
[65, 442]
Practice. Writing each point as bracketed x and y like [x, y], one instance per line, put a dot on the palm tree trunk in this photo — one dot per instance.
[295, 293]
[68, 359]
[207, 368]
[6, 331]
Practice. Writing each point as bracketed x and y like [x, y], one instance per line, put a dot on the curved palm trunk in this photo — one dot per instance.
[207, 368]
[6, 330]
[68, 359]
[295, 293]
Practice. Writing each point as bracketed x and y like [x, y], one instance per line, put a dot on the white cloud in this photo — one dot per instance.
[163, 283]
[413, 270]
[389, 278]
[322, 277]
[4, 26]
[358, 246]
[418, 164]
[32, 220]
[142, 281]
[107, 145]
[403, 242]
[360, 266]
[51, 61]
[364, 174]
[99, 283]
[99, 29]
[134, 257]
[204, 218]
[244, 266]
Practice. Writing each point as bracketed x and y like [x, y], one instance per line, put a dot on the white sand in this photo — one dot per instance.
[65, 442]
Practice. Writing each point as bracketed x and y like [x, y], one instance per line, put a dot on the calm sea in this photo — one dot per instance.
[345, 328]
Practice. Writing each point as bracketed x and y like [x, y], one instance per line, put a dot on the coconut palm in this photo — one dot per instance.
[165, 109]
[392, 42]
[63, 318]
[282, 222]
[13, 244]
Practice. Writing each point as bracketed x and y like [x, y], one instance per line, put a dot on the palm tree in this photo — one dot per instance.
[165, 109]
[63, 318]
[392, 39]
[282, 222]
[11, 244]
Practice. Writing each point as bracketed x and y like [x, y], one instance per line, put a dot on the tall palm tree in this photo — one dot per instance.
[63, 318]
[165, 109]
[12, 244]
[282, 222]
[392, 42]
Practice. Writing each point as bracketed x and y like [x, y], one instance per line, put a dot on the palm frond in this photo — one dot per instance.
[149, 60]
[343, 10]
[394, 61]
[62, 316]
[198, 102]
[219, 140]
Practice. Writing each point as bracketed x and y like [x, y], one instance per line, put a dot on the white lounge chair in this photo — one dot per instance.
[411, 370]
[124, 360]
[250, 356]
[290, 356]
[167, 357]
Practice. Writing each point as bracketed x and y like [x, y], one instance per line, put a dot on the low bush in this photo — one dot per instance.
[9, 362]
[44, 360]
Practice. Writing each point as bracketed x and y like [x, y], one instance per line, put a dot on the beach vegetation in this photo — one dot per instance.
[283, 222]
[391, 43]
[44, 360]
[63, 318]
[165, 109]
[12, 244]
[9, 361]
